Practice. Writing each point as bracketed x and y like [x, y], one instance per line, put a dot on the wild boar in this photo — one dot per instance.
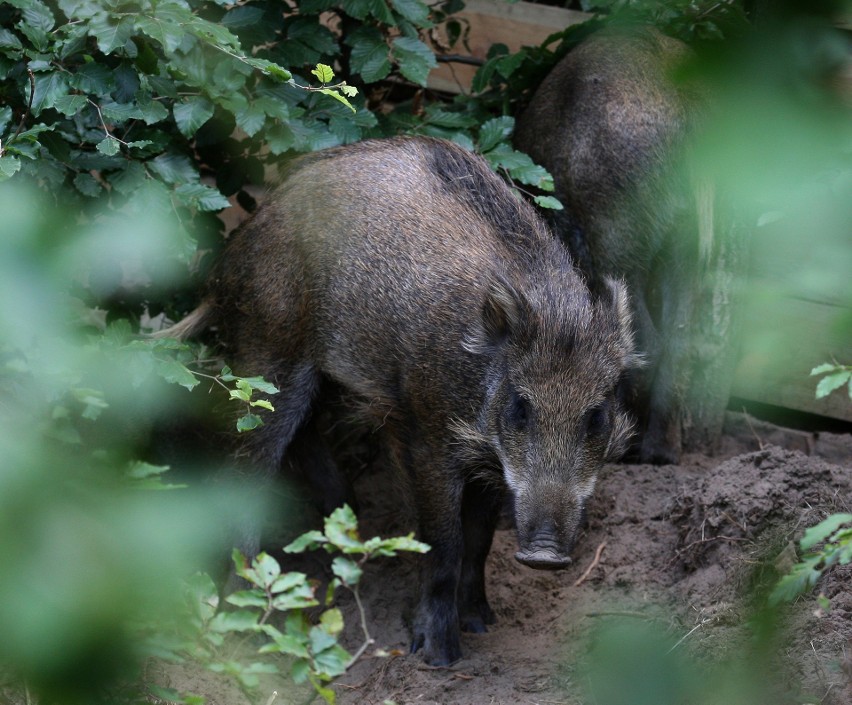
[406, 272]
[609, 122]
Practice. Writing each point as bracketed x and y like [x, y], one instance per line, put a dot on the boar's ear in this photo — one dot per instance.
[630, 358]
[501, 314]
[622, 430]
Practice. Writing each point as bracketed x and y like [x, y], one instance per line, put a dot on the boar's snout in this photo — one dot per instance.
[543, 559]
[541, 549]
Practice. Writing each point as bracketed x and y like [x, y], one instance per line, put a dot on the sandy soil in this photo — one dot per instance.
[681, 550]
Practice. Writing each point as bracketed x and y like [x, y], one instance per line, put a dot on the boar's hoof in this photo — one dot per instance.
[436, 654]
[542, 559]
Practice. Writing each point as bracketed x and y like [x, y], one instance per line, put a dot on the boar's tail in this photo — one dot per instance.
[705, 196]
[189, 326]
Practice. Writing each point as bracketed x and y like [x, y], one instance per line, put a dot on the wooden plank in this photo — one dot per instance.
[783, 340]
[515, 25]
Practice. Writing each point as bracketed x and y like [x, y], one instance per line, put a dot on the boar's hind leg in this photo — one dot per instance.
[661, 442]
[480, 510]
[309, 458]
[263, 449]
[438, 489]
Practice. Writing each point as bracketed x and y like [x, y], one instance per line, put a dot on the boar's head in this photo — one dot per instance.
[551, 414]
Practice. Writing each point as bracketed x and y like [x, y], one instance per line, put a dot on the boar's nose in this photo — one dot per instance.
[543, 559]
[541, 549]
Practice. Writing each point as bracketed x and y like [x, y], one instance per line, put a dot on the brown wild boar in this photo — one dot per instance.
[407, 273]
[609, 122]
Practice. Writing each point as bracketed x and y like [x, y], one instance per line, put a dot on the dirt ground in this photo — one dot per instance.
[680, 549]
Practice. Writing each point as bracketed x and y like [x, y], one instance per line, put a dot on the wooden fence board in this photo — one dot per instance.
[515, 25]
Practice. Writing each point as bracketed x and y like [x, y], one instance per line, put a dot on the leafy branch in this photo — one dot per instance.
[313, 645]
[835, 377]
[837, 550]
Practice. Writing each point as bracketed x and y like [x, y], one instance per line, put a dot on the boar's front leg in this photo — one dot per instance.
[481, 506]
[438, 490]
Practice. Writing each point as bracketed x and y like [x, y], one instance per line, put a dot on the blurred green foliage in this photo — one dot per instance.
[87, 547]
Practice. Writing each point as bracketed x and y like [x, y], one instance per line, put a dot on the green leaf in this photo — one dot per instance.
[378, 546]
[236, 621]
[292, 644]
[280, 139]
[306, 542]
[449, 118]
[167, 34]
[548, 202]
[337, 96]
[214, 34]
[174, 168]
[288, 581]
[831, 382]
[347, 570]
[201, 197]
[332, 621]
[87, 184]
[119, 112]
[191, 114]
[269, 68]
[248, 422]
[341, 529]
[70, 105]
[331, 661]
[93, 78]
[801, 579]
[369, 55]
[823, 530]
[247, 598]
[37, 14]
[9, 166]
[48, 88]
[321, 640]
[261, 385]
[176, 373]
[504, 156]
[9, 40]
[495, 131]
[823, 368]
[250, 119]
[263, 404]
[414, 11]
[109, 146]
[483, 76]
[37, 37]
[323, 73]
[415, 59]
[126, 82]
[139, 470]
[298, 598]
[109, 33]
[129, 179]
[533, 175]
[241, 17]
[5, 118]
[150, 110]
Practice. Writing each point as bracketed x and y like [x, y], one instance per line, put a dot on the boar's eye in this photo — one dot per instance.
[597, 420]
[517, 412]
